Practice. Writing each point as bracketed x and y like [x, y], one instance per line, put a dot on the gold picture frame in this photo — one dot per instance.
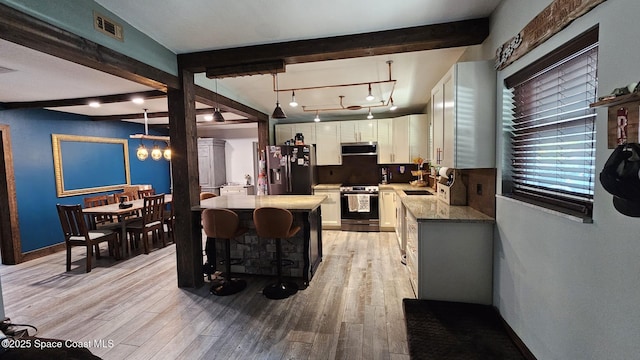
[106, 159]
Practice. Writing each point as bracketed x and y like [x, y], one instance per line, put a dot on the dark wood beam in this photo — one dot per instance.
[26, 30]
[151, 115]
[247, 69]
[105, 99]
[208, 97]
[186, 194]
[418, 38]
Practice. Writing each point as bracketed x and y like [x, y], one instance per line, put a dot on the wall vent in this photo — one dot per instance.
[107, 26]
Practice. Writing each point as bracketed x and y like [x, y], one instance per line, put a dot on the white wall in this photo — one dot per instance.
[570, 290]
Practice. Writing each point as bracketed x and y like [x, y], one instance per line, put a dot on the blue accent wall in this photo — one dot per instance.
[31, 131]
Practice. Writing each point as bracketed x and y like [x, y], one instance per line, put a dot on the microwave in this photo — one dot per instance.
[361, 148]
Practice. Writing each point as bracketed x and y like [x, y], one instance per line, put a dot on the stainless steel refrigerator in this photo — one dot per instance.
[291, 169]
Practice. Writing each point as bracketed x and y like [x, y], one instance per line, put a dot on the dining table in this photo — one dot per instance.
[123, 214]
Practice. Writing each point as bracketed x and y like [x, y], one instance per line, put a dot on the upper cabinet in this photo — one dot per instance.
[328, 150]
[403, 138]
[358, 131]
[463, 117]
[286, 132]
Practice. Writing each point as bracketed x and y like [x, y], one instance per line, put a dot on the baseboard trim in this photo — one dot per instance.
[528, 355]
[31, 255]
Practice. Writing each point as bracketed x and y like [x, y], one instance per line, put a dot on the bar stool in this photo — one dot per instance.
[224, 224]
[276, 223]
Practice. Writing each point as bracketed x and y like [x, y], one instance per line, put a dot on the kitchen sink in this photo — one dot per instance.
[417, 192]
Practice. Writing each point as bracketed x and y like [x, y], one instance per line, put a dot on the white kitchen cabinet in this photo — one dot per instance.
[463, 116]
[286, 132]
[330, 209]
[403, 138]
[400, 226]
[358, 131]
[450, 261]
[387, 210]
[211, 164]
[328, 150]
[237, 190]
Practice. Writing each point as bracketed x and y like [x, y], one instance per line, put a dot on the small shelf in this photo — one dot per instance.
[622, 99]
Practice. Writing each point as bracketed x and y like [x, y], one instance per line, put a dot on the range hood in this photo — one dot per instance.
[359, 148]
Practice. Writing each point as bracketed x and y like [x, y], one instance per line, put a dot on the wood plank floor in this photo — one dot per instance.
[352, 308]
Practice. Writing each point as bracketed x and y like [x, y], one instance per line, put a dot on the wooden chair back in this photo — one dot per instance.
[146, 192]
[99, 200]
[73, 223]
[153, 209]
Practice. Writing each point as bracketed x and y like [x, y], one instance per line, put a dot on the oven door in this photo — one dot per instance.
[354, 215]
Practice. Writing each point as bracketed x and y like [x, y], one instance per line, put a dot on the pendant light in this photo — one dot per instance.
[317, 118]
[156, 153]
[217, 115]
[370, 116]
[293, 102]
[370, 96]
[277, 112]
[142, 153]
[393, 106]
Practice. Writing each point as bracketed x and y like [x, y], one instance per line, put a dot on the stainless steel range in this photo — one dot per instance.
[359, 208]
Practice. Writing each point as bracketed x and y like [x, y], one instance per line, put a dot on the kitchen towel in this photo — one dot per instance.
[359, 202]
[352, 199]
[364, 203]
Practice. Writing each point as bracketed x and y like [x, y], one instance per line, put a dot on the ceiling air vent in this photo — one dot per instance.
[107, 26]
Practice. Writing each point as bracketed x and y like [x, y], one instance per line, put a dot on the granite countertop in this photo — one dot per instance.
[251, 202]
[429, 208]
[327, 187]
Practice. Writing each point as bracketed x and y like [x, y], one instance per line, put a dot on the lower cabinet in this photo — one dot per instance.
[330, 209]
[387, 210]
[450, 261]
[237, 190]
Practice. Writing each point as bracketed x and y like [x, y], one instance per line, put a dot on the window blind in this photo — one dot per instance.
[553, 132]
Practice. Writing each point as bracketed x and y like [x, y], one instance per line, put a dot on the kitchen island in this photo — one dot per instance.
[256, 254]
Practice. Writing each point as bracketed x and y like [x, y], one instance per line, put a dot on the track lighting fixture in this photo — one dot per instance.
[393, 106]
[277, 112]
[317, 118]
[370, 116]
[370, 96]
[293, 102]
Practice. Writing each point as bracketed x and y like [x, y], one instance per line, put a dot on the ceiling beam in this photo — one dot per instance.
[26, 30]
[247, 69]
[140, 115]
[208, 97]
[105, 99]
[418, 38]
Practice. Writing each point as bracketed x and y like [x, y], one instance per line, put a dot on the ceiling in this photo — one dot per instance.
[211, 25]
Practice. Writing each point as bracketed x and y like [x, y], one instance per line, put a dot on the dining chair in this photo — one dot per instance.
[145, 192]
[98, 220]
[151, 221]
[76, 233]
[276, 223]
[170, 222]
